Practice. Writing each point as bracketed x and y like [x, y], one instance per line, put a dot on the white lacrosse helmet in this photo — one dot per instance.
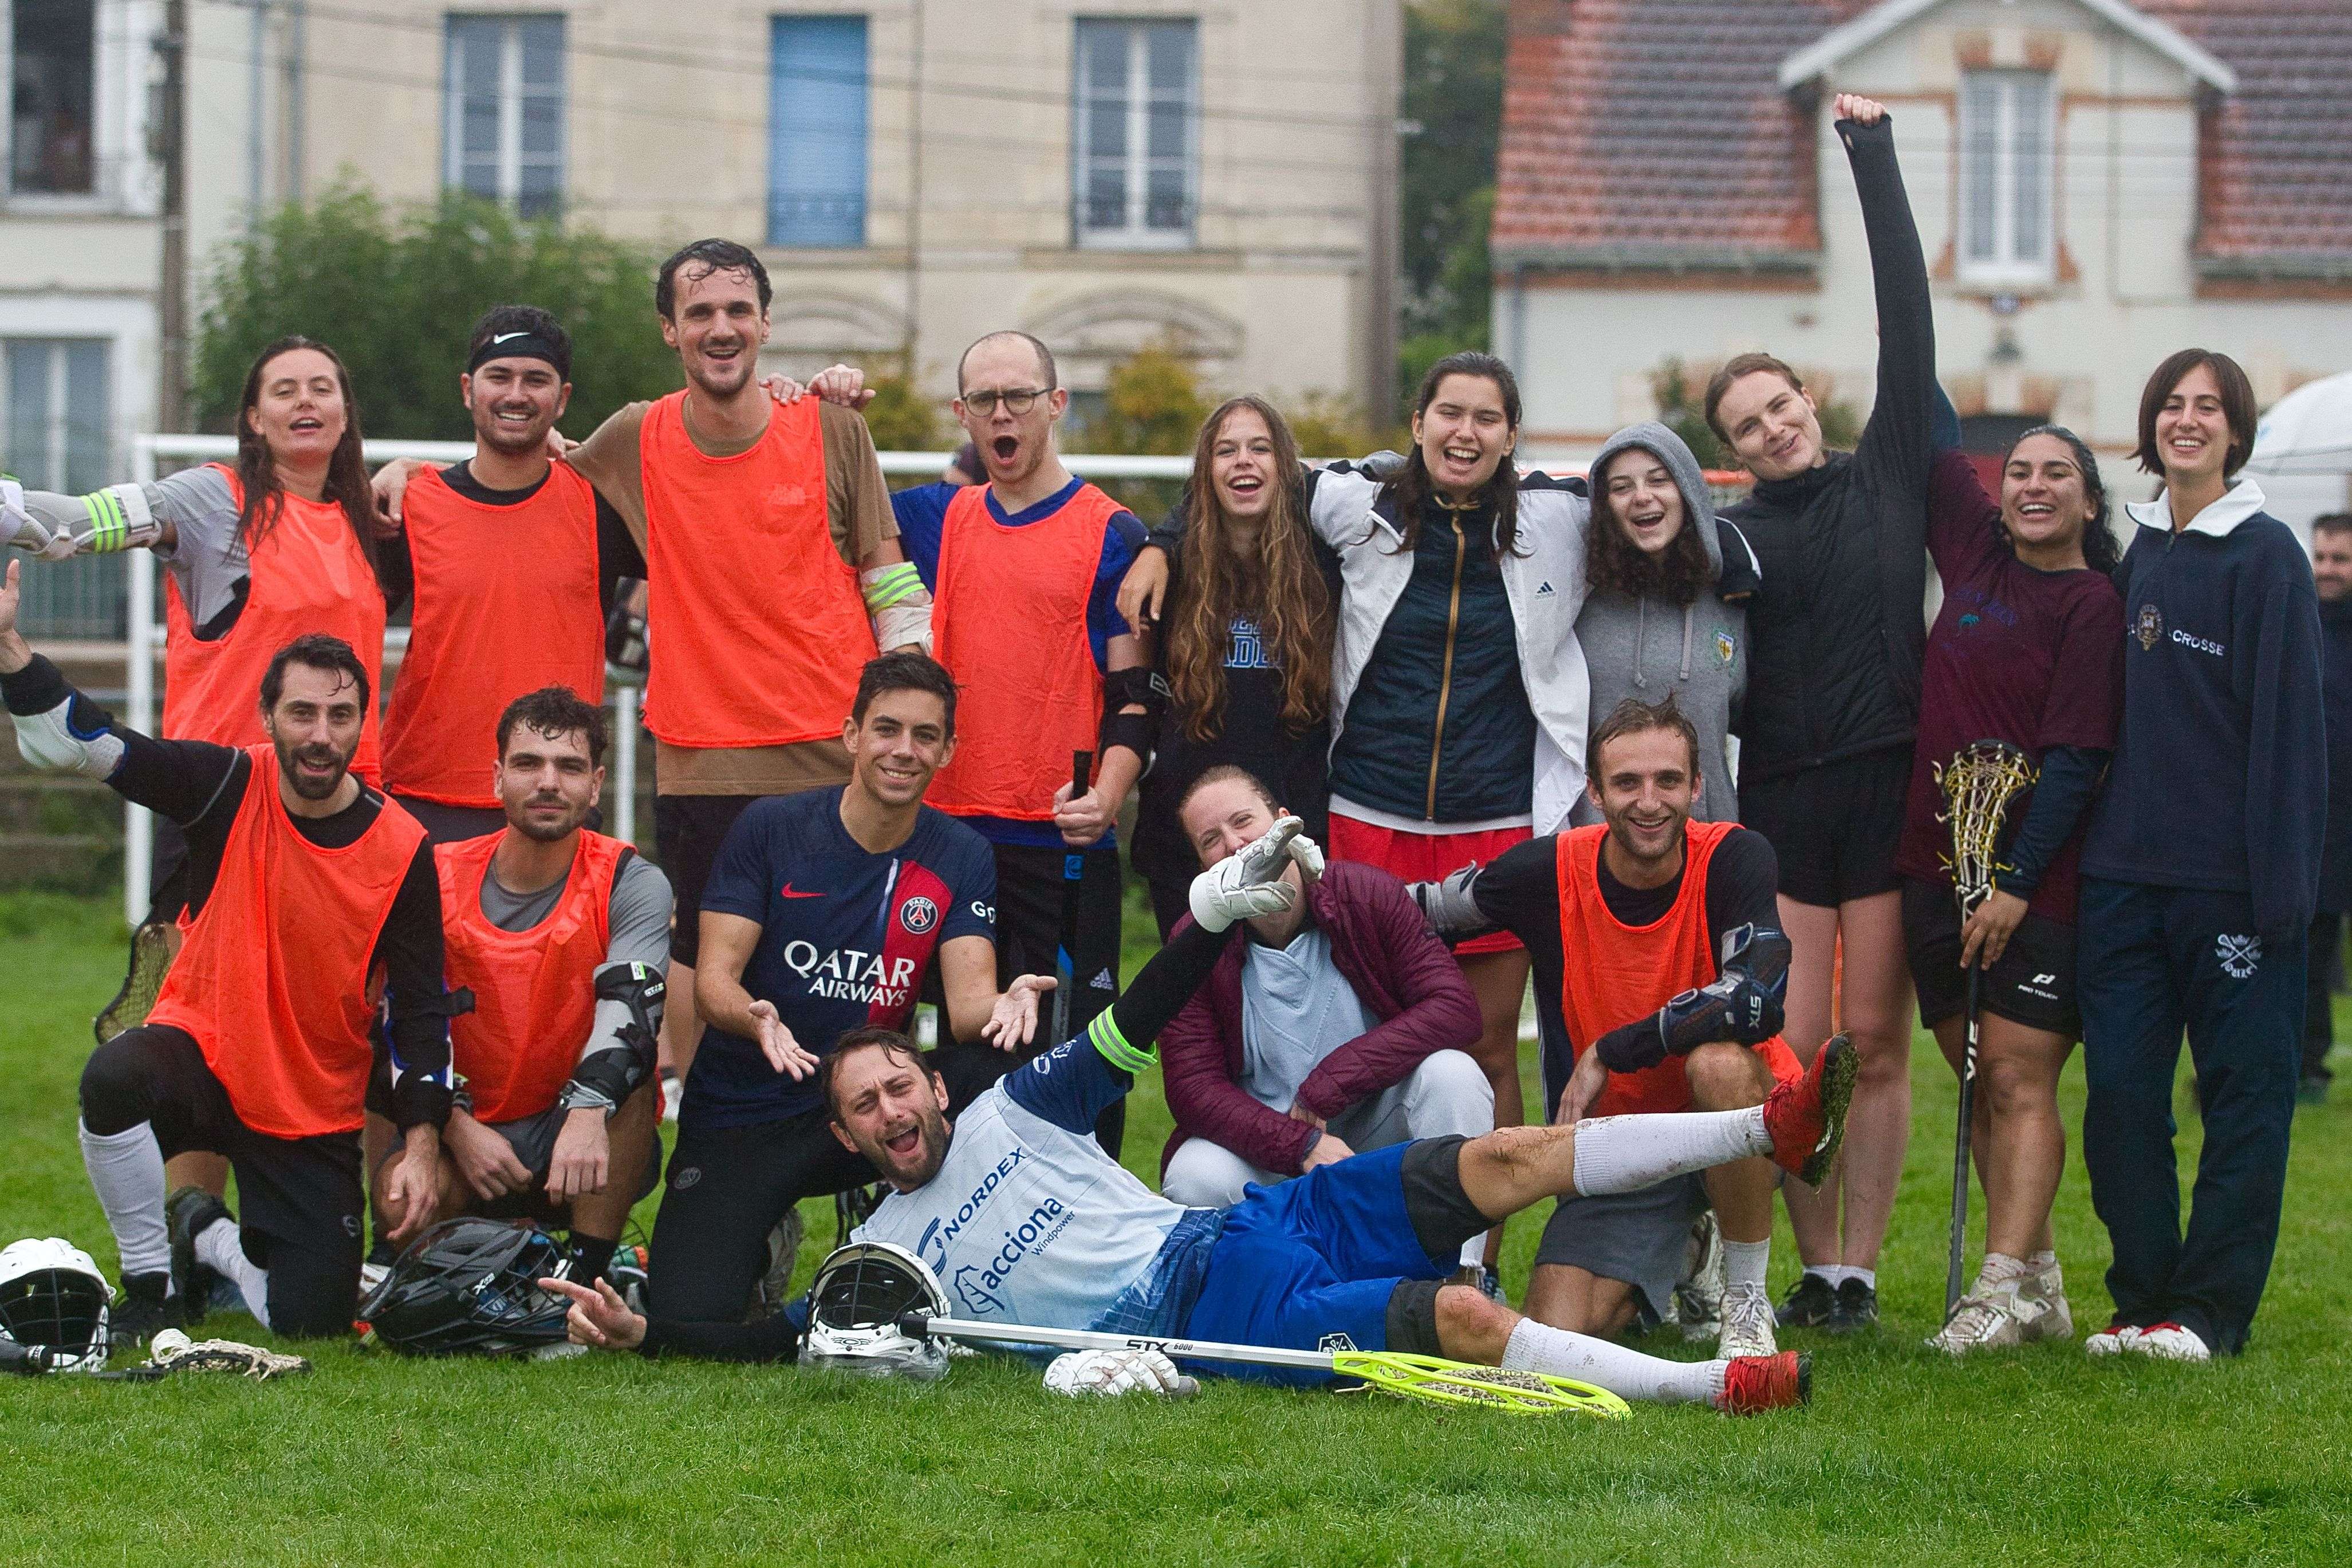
[860, 1293]
[53, 1297]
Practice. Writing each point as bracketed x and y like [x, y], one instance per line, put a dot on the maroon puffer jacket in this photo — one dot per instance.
[1402, 975]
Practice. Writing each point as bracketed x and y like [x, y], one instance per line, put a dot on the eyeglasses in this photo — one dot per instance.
[1017, 400]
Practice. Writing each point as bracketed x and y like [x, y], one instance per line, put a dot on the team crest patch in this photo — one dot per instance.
[2239, 955]
[2150, 629]
[1726, 649]
[918, 914]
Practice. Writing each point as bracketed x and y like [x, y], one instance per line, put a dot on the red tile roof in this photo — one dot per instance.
[1653, 134]
[2274, 159]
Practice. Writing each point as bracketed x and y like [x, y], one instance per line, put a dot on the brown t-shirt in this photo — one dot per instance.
[857, 506]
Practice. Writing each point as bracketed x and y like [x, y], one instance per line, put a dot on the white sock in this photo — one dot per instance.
[126, 1170]
[1869, 1277]
[220, 1247]
[1744, 1262]
[2043, 1262]
[1627, 1373]
[1829, 1274]
[1626, 1153]
[1999, 1269]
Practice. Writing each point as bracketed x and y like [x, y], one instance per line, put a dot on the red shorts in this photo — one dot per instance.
[1425, 857]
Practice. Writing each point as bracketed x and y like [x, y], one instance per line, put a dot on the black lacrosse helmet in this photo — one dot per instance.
[470, 1286]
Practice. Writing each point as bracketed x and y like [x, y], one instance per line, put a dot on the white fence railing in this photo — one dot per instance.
[148, 453]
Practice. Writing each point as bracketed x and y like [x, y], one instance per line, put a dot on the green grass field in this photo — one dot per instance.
[2038, 1457]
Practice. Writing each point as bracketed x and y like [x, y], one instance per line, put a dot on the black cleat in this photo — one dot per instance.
[1810, 1303]
[144, 1309]
[191, 1212]
[1856, 1309]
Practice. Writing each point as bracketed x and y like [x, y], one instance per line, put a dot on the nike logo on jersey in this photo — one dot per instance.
[790, 892]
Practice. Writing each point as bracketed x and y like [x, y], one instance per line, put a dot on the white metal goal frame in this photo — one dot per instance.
[146, 632]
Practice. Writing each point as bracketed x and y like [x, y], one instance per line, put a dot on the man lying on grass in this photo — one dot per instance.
[1025, 1220]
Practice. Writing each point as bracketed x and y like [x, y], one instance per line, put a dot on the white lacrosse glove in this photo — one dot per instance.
[1248, 883]
[1113, 1372]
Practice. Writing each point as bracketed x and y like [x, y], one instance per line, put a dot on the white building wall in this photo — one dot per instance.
[2083, 347]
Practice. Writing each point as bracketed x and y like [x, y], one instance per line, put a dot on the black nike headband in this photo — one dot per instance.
[514, 346]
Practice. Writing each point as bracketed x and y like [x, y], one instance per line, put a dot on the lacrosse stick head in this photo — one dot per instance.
[1978, 786]
[53, 1298]
[860, 1293]
[470, 1285]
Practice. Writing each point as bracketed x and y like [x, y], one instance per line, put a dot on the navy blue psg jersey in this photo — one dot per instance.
[846, 937]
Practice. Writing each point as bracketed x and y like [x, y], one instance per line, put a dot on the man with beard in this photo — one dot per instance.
[503, 540]
[562, 935]
[1660, 972]
[304, 885]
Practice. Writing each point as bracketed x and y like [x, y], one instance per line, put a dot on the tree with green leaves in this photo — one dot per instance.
[1453, 107]
[396, 294]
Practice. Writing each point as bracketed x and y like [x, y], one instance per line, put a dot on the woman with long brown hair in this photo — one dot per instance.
[1245, 647]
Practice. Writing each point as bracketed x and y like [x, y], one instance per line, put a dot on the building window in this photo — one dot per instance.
[55, 427]
[816, 131]
[1137, 105]
[2008, 176]
[53, 102]
[504, 118]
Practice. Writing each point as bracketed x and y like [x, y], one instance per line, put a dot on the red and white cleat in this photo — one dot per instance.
[2170, 1342]
[1807, 1118]
[2113, 1340]
[1759, 1383]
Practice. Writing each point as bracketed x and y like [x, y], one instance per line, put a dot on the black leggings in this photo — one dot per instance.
[300, 1197]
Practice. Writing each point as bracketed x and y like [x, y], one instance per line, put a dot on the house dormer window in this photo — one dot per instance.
[2008, 178]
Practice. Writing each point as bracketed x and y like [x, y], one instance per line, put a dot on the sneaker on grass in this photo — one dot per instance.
[1810, 1302]
[2113, 1340]
[2170, 1342]
[1857, 1307]
[1754, 1384]
[1697, 1304]
[1747, 1323]
[2042, 1302]
[1985, 1319]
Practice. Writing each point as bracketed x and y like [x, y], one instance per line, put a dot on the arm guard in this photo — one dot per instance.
[56, 527]
[901, 609]
[1451, 906]
[608, 1074]
[1742, 1005]
[1133, 688]
[58, 728]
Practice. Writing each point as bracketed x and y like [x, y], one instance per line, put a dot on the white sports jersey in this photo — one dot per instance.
[1028, 1220]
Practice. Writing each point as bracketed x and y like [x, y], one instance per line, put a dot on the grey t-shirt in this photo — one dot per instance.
[636, 922]
[1297, 1009]
[207, 561]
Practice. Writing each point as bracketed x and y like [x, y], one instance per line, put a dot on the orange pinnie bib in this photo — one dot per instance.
[756, 624]
[272, 982]
[1615, 974]
[506, 602]
[1008, 621]
[534, 991]
[306, 575]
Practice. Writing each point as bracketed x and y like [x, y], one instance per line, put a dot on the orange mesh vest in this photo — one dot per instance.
[308, 575]
[757, 628]
[534, 991]
[1009, 622]
[506, 602]
[1615, 972]
[273, 979]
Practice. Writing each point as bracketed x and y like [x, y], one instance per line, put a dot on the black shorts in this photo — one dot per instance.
[728, 1186]
[687, 831]
[1834, 827]
[532, 1139]
[299, 1199]
[2033, 984]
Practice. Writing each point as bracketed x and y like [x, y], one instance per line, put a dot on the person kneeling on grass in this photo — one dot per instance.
[562, 935]
[1025, 1221]
[1660, 970]
[1335, 1026]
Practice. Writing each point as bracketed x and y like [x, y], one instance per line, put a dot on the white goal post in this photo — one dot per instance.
[150, 453]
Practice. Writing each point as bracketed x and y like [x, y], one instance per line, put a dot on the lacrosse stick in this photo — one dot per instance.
[1977, 784]
[1427, 1378]
[1074, 869]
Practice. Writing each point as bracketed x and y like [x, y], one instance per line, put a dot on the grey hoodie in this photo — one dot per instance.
[1649, 647]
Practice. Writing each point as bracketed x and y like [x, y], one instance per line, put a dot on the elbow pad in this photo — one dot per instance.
[901, 608]
[605, 1079]
[1133, 688]
[76, 736]
[102, 523]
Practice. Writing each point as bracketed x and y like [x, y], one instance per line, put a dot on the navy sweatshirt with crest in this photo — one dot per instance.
[2220, 778]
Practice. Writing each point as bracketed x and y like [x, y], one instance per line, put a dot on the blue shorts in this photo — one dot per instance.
[1316, 1256]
